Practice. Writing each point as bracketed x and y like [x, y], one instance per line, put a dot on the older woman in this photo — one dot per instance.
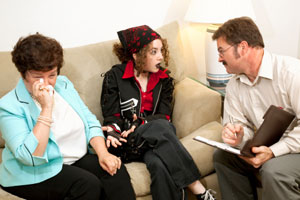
[49, 131]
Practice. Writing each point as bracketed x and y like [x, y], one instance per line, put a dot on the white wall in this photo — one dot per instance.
[80, 22]
[279, 22]
[76, 22]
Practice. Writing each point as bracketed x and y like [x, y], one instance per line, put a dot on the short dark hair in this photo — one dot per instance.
[37, 52]
[236, 30]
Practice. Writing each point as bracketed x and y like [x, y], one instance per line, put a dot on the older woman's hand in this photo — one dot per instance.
[110, 163]
[41, 93]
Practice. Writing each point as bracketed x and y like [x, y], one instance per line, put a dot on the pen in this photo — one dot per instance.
[232, 122]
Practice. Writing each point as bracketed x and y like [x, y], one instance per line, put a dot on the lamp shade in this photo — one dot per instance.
[218, 11]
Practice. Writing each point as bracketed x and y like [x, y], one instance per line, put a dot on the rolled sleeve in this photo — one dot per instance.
[289, 143]
[31, 142]
[30, 145]
[280, 148]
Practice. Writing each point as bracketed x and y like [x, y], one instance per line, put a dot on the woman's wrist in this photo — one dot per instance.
[46, 111]
[98, 144]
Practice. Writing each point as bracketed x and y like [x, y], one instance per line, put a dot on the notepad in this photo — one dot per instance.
[276, 121]
[218, 145]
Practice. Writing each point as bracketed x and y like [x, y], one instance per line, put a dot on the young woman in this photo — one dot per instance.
[136, 100]
[48, 130]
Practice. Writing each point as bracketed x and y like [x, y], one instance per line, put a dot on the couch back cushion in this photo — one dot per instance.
[9, 77]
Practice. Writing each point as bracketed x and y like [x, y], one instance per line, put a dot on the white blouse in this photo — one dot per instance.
[68, 130]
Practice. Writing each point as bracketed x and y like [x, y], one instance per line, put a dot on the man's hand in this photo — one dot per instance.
[110, 163]
[263, 154]
[233, 134]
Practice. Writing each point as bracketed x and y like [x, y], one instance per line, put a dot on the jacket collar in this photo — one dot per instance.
[153, 78]
[129, 71]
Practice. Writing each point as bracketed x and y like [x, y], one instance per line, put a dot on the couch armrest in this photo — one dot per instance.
[195, 105]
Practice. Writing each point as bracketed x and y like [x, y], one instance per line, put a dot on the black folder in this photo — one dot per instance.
[276, 121]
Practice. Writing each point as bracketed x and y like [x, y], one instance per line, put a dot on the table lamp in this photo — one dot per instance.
[215, 13]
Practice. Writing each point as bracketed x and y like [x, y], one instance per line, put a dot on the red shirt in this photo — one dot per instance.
[146, 97]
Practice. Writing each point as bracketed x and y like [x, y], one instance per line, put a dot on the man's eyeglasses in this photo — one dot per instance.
[222, 51]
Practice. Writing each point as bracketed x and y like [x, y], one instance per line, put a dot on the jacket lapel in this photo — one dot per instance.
[24, 97]
[33, 111]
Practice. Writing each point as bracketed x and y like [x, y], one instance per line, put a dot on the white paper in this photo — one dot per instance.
[219, 145]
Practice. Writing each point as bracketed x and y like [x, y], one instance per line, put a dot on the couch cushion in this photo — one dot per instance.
[191, 96]
[202, 153]
[140, 178]
[9, 75]
[177, 61]
[6, 196]
[84, 66]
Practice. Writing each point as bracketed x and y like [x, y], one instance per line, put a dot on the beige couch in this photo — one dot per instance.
[197, 109]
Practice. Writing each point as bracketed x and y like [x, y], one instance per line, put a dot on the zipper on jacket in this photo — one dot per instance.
[183, 194]
[140, 97]
[157, 100]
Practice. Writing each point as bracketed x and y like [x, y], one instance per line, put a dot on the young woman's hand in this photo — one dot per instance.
[126, 133]
[135, 123]
[113, 138]
[110, 140]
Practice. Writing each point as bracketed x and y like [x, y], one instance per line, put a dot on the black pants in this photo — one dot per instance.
[85, 180]
[170, 165]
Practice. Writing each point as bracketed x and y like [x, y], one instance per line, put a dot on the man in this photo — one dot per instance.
[261, 79]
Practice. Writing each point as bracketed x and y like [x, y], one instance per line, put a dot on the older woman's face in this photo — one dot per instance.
[32, 76]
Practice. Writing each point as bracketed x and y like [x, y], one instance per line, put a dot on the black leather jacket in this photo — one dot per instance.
[123, 96]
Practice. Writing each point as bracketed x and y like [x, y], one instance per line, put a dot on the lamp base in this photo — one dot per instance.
[218, 81]
[216, 74]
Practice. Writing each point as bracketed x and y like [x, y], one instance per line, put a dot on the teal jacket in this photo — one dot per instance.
[18, 116]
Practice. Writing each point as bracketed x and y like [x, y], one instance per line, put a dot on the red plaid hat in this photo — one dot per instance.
[135, 38]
